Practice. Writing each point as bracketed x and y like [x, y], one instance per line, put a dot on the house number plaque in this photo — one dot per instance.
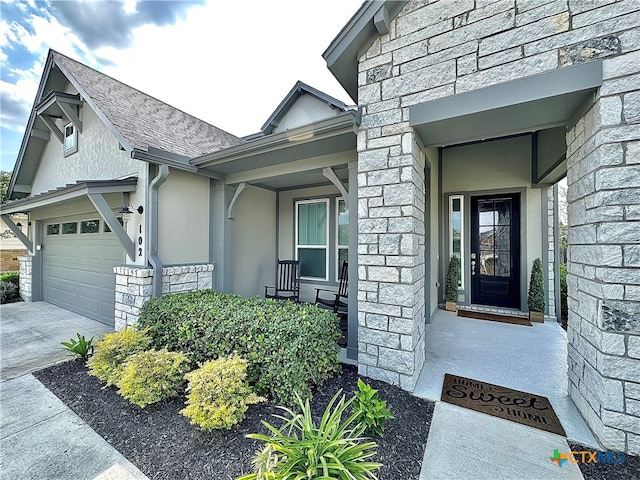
[140, 242]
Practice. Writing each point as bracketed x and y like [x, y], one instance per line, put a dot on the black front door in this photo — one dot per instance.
[495, 250]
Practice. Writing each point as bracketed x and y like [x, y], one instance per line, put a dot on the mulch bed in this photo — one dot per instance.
[628, 470]
[164, 445]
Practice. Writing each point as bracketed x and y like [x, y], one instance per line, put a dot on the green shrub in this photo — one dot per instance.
[13, 277]
[79, 348]
[453, 276]
[536, 288]
[151, 376]
[8, 292]
[218, 394]
[112, 352]
[289, 347]
[300, 449]
[370, 410]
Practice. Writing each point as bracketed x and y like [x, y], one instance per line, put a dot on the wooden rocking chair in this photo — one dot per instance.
[287, 282]
[337, 302]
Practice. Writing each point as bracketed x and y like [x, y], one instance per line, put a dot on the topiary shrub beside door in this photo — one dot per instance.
[536, 293]
[451, 284]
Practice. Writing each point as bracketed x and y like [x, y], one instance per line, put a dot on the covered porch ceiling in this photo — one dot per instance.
[529, 104]
[292, 159]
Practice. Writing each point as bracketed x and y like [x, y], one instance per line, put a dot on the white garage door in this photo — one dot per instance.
[79, 256]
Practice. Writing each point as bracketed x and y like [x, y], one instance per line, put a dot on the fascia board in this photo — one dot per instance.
[334, 125]
[85, 96]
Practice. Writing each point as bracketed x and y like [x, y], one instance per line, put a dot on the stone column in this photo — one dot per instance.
[25, 277]
[391, 258]
[604, 262]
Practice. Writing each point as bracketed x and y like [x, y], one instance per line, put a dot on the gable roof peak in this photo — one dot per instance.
[299, 89]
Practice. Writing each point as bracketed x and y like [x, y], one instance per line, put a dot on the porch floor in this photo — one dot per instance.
[531, 359]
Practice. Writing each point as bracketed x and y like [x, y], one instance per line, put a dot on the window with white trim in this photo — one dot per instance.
[312, 238]
[342, 235]
[70, 139]
[456, 232]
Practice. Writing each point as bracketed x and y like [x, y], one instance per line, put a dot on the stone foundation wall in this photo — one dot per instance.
[25, 277]
[134, 287]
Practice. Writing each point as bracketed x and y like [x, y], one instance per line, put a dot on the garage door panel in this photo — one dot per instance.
[78, 272]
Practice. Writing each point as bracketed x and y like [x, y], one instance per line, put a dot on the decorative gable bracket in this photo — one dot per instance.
[59, 105]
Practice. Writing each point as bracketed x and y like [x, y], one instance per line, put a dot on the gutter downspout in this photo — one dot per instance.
[156, 264]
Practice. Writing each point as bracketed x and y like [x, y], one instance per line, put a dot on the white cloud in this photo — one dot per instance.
[232, 67]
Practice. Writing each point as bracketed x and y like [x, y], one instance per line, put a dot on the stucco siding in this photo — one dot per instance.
[183, 219]
[305, 111]
[286, 226]
[98, 157]
[255, 241]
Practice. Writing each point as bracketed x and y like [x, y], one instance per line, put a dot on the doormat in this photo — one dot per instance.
[494, 317]
[520, 407]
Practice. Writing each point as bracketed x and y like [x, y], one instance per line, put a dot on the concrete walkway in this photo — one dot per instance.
[466, 444]
[40, 437]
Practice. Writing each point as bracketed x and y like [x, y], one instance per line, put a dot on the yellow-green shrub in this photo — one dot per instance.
[151, 376]
[218, 393]
[112, 352]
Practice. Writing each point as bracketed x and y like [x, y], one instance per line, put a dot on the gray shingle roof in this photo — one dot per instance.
[145, 121]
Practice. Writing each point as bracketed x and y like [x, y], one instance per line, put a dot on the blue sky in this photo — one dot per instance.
[228, 63]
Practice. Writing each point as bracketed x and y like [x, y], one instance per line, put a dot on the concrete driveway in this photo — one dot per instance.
[30, 335]
[40, 437]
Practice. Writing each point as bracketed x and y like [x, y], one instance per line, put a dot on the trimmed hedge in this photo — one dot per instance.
[289, 347]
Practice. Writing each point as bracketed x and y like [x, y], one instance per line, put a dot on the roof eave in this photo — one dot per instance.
[67, 193]
[27, 132]
[349, 119]
[356, 36]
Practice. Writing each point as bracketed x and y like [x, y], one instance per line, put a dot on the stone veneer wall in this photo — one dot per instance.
[25, 277]
[134, 287]
[604, 257]
[391, 233]
[438, 49]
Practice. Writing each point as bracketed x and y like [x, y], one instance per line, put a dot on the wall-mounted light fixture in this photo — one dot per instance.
[127, 210]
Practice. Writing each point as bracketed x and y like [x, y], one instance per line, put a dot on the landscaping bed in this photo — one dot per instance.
[164, 445]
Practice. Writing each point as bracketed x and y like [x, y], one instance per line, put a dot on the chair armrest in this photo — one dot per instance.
[318, 297]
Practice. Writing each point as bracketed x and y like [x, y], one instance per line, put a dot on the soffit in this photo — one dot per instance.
[529, 104]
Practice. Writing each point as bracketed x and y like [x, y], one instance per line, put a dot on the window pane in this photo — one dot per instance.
[313, 262]
[503, 212]
[69, 228]
[343, 223]
[312, 223]
[53, 229]
[69, 138]
[90, 226]
[343, 256]
[106, 227]
[456, 234]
